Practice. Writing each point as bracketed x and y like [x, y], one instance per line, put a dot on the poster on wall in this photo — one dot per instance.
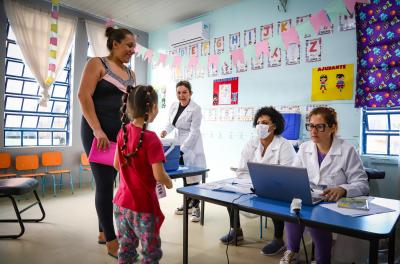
[226, 67]
[266, 31]
[293, 54]
[332, 82]
[219, 45]
[234, 41]
[212, 71]
[275, 58]
[313, 50]
[257, 63]
[250, 37]
[347, 22]
[284, 25]
[326, 30]
[226, 91]
[205, 48]
[302, 19]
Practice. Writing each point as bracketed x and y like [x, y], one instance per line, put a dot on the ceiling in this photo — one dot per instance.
[146, 15]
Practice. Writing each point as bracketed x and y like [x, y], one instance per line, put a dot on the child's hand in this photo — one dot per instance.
[169, 185]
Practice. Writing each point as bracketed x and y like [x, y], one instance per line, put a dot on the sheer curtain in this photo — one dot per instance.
[31, 27]
[97, 38]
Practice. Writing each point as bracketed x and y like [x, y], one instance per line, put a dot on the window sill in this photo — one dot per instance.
[381, 159]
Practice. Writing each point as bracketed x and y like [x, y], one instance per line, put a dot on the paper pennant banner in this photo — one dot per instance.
[237, 56]
[276, 42]
[185, 61]
[156, 57]
[193, 61]
[213, 60]
[306, 28]
[290, 36]
[54, 14]
[170, 60]
[203, 61]
[148, 55]
[319, 19]
[55, 2]
[53, 54]
[54, 27]
[177, 61]
[250, 51]
[225, 57]
[336, 8]
[162, 59]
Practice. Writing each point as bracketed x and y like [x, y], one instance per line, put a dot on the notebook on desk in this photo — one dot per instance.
[282, 183]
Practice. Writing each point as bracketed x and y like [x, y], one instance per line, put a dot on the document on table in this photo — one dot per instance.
[235, 186]
[373, 209]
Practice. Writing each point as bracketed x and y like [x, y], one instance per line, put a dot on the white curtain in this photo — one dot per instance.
[97, 38]
[31, 27]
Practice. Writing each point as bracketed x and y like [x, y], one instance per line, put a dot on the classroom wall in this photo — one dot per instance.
[280, 86]
[71, 154]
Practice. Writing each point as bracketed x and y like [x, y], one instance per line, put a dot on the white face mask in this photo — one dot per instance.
[262, 131]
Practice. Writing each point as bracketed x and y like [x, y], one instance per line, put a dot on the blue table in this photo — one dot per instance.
[188, 171]
[372, 227]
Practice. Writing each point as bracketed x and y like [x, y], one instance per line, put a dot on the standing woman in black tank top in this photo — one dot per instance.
[103, 83]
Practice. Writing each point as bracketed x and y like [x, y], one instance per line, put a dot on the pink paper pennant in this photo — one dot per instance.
[319, 19]
[53, 41]
[213, 60]
[290, 36]
[262, 47]
[237, 56]
[54, 14]
[148, 55]
[193, 61]
[162, 59]
[52, 67]
[177, 61]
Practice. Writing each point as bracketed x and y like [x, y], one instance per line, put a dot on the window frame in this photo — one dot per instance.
[39, 112]
[389, 133]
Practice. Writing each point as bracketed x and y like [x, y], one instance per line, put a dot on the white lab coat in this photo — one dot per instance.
[341, 166]
[279, 152]
[187, 134]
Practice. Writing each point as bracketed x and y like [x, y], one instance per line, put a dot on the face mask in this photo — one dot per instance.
[262, 131]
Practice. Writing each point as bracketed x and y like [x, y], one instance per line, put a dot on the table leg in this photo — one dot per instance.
[185, 230]
[235, 224]
[203, 180]
[392, 240]
[373, 251]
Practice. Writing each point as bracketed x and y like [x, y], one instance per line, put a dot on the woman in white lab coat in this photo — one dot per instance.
[333, 166]
[267, 147]
[185, 120]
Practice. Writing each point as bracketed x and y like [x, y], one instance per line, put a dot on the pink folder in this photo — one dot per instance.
[102, 156]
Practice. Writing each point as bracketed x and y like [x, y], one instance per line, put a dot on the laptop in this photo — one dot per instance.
[282, 183]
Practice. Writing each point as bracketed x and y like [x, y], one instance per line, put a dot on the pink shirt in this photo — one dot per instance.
[136, 190]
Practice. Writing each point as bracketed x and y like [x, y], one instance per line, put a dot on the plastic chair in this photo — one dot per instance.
[30, 163]
[54, 159]
[85, 166]
[5, 164]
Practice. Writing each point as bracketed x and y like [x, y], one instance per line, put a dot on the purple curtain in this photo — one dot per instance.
[378, 54]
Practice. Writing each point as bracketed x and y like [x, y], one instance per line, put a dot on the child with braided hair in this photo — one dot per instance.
[139, 159]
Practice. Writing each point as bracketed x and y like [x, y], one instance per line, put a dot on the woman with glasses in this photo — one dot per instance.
[334, 167]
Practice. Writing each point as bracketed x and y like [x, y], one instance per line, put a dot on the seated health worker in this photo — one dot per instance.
[267, 147]
[333, 166]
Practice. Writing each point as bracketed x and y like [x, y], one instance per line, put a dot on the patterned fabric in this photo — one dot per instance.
[132, 228]
[378, 52]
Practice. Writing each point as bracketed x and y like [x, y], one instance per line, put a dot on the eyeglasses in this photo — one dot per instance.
[318, 127]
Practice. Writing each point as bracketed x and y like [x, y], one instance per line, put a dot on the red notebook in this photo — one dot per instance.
[102, 156]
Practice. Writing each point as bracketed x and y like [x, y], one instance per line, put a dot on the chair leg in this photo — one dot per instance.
[54, 186]
[61, 181]
[43, 180]
[71, 182]
[18, 214]
[80, 176]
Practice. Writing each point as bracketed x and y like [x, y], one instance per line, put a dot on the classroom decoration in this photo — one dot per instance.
[226, 91]
[378, 54]
[196, 60]
[51, 75]
[332, 82]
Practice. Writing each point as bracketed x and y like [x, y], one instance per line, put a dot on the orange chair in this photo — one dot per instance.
[30, 163]
[5, 164]
[84, 166]
[54, 159]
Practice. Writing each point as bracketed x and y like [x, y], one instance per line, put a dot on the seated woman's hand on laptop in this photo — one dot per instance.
[333, 194]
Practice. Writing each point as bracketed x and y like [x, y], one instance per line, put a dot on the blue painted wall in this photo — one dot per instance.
[279, 86]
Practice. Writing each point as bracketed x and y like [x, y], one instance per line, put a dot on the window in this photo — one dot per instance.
[381, 131]
[25, 122]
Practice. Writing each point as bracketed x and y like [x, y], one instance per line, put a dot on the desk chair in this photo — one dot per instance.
[30, 163]
[19, 186]
[54, 160]
[5, 165]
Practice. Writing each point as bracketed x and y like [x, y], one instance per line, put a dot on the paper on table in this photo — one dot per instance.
[373, 209]
[233, 187]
